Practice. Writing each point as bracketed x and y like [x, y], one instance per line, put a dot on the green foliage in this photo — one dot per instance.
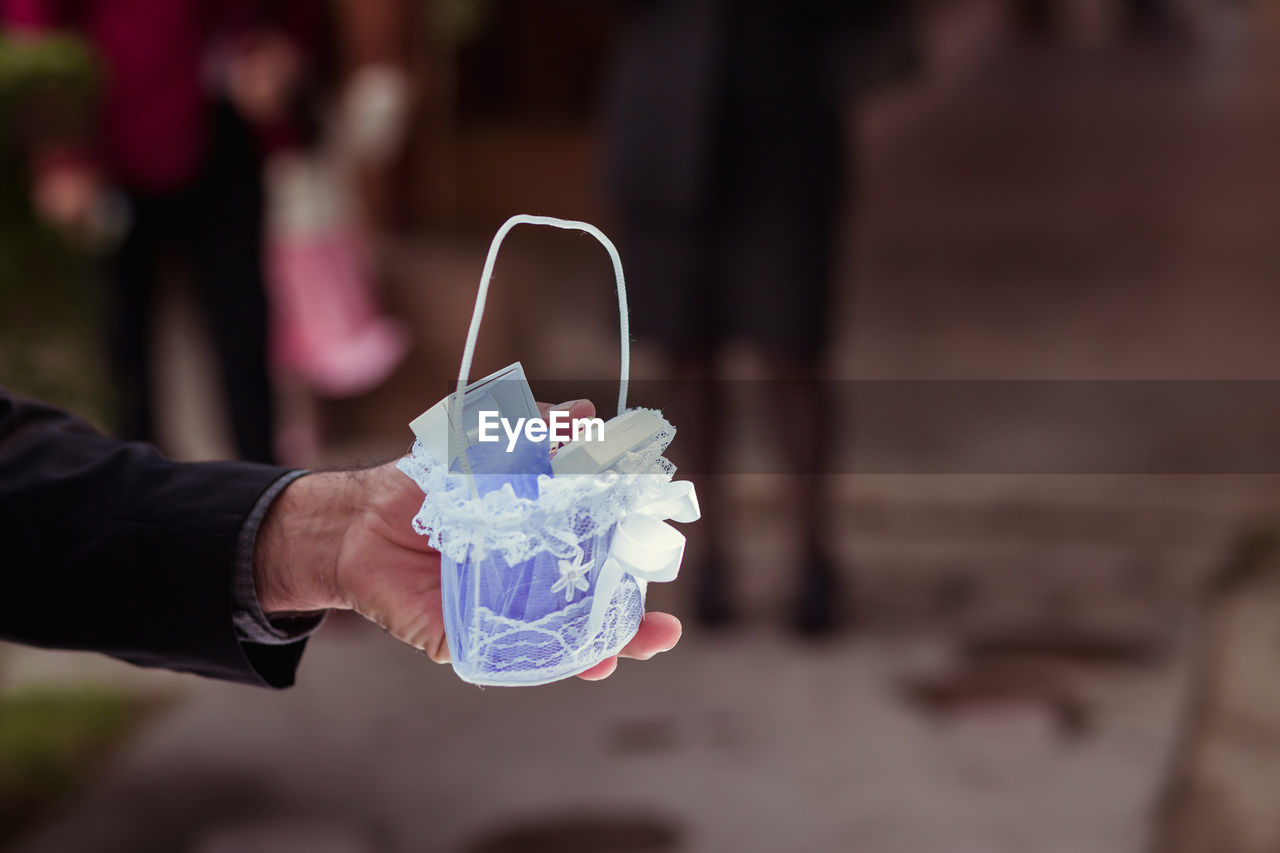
[50, 739]
[49, 306]
[34, 66]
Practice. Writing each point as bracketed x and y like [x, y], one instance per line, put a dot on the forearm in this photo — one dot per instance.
[302, 539]
[110, 547]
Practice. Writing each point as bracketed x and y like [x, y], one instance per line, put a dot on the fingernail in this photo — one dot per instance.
[564, 407]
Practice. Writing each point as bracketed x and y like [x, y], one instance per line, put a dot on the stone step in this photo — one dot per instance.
[1074, 562]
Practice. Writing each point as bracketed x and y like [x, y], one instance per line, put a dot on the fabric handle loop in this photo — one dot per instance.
[464, 373]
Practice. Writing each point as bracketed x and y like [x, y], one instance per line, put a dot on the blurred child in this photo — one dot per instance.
[194, 93]
[329, 336]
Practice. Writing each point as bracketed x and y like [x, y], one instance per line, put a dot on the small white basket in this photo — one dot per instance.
[545, 583]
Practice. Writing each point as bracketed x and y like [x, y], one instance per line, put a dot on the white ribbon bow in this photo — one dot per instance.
[645, 546]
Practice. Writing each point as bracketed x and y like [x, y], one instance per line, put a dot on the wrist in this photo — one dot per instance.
[300, 543]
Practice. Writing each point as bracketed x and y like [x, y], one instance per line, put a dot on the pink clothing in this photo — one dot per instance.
[327, 326]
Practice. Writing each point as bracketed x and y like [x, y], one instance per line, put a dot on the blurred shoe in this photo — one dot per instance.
[816, 612]
[713, 603]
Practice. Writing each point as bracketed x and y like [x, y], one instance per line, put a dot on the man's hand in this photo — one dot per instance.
[344, 541]
[262, 76]
[67, 195]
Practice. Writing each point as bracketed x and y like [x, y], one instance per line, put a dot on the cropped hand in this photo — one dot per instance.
[66, 195]
[344, 541]
[262, 76]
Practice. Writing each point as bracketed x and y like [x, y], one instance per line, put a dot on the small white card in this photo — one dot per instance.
[622, 434]
[506, 392]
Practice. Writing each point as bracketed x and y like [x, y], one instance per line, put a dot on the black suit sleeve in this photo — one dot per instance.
[108, 546]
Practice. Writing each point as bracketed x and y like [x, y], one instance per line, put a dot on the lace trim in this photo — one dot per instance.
[507, 651]
[567, 510]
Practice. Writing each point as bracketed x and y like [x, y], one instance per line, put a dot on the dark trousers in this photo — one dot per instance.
[214, 228]
[1141, 16]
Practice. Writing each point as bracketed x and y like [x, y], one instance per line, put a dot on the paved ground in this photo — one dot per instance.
[1076, 212]
[748, 742]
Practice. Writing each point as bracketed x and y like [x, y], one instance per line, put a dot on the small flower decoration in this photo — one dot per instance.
[573, 576]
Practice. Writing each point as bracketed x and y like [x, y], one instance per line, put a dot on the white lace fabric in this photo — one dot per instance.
[508, 651]
[568, 507]
[519, 574]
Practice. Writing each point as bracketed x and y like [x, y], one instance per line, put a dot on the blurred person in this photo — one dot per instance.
[195, 91]
[1149, 17]
[330, 337]
[728, 164]
[1140, 17]
[216, 568]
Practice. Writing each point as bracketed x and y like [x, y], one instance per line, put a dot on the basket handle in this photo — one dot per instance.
[464, 373]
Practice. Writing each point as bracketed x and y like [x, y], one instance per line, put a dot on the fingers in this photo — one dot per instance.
[600, 671]
[67, 196]
[437, 648]
[581, 409]
[577, 409]
[659, 632]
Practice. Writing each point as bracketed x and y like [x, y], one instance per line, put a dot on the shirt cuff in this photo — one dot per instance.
[251, 624]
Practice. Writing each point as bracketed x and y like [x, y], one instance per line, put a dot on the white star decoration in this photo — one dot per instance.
[573, 576]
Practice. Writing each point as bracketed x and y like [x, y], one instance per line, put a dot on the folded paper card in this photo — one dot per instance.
[505, 392]
[544, 558]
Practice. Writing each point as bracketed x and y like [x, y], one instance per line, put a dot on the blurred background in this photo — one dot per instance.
[255, 229]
